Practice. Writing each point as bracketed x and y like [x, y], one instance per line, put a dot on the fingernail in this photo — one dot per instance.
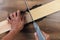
[35, 34]
[18, 10]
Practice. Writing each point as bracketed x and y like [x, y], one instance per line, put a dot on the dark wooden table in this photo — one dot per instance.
[50, 24]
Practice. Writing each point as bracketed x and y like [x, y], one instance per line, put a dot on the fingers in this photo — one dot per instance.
[14, 14]
[36, 37]
[46, 36]
[9, 20]
[18, 13]
[11, 16]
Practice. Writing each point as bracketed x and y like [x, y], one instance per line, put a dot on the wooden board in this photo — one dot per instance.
[37, 13]
[45, 10]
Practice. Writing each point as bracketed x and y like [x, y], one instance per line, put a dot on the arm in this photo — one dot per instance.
[17, 23]
[10, 35]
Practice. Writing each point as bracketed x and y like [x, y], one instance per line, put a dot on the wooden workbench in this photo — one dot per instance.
[50, 24]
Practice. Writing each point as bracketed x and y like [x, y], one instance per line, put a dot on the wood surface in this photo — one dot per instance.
[44, 10]
[51, 24]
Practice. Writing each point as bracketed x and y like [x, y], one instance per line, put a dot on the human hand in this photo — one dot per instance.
[46, 36]
[16, 20]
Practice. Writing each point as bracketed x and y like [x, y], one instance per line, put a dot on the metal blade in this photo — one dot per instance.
[39, 33]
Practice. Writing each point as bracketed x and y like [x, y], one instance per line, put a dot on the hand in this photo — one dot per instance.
[16, 20]
[46, 36]
[17, 23]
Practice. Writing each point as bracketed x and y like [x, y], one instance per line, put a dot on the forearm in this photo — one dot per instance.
[10, 35]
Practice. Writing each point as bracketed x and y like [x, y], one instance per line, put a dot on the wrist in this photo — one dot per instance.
[17, 28]
[10, 35]
[14, 30]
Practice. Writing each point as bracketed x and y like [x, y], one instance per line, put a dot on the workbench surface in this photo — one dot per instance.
[50, 24]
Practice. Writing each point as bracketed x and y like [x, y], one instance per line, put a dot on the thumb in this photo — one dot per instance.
[36, 37]
[46, 36]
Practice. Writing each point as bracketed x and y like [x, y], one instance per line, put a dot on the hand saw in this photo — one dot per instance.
[36, 27]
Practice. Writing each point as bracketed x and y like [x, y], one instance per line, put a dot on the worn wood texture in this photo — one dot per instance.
[44, 10]
[50, 24]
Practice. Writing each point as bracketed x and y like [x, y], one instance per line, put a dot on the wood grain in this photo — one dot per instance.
[44, 10]
[51, 24]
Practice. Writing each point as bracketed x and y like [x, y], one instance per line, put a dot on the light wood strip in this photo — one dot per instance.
[45, 10]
